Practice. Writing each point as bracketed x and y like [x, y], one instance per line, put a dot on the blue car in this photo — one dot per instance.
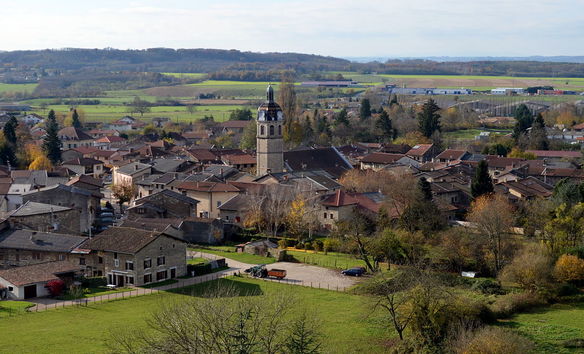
[354, 272]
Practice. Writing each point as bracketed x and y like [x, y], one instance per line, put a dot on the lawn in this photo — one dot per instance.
[332, 260]
[160, 283]
[197, 260]
[102, 290]
[12, 308]
[229, 252]
[550, 327]
[345, 324]
[5, 88]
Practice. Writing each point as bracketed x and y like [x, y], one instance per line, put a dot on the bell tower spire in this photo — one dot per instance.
[270, 143]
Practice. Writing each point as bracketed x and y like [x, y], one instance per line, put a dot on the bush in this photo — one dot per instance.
[490, 340]
[299, 246]
[318, 245]
[199, 269]
[532, 269]
[487, 286]
[569, 268]
[93, 282]
[56, 287]
[510, 304]
[574, 343]
[568, 290]
[308, 245]
[282, 244]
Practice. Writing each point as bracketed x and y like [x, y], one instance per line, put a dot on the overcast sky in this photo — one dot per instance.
[349, 28]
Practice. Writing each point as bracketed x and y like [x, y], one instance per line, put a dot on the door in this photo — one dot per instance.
[173, 273]
[30, 291]
[120, 280]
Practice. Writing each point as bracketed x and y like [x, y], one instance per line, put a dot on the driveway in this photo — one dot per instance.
[296, 273]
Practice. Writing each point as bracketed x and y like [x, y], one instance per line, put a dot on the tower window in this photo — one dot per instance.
[271, 130]
[262, 130]
[279, 130]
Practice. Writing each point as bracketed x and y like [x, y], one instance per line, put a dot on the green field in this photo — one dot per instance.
[6, 88]
[13, 308]
[550, 327]
[186, 75]
[332, 260]
[346, 324]
[229, 252]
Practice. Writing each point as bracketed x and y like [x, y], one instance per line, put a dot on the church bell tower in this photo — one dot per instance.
[270, 144]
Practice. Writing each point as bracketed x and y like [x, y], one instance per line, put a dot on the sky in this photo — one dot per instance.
[342, 28]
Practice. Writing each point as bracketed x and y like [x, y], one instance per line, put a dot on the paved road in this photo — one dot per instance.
[297, 274]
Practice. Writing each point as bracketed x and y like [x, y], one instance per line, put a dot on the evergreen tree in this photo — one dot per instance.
[425, 188]
[384, 126]
[75, 119]
[524, 120]
[365, 109]
[481, 182]
[342, 118]
[393, 101]
[10, 131]
[429, 119]
[7, 155]
[52, 144]
[307, 129]
[538, 136]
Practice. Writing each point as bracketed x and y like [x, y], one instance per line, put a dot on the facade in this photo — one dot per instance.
[164, 204]
[46, 217]
[211, 196]
[270, 143]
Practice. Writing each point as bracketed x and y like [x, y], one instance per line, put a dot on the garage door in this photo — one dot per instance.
[30, 291]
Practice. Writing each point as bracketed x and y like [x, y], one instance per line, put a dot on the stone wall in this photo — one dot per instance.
[67, 222]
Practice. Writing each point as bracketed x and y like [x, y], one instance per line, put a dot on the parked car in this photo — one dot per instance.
[354, 272]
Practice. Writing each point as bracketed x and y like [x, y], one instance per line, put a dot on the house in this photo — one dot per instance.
[46, 217]
[31, 119]
[85, 166]
[74, 137]
[194, 230]
[110, 142]
[242, 162]
[30, 281]
[126, 123]
[164, 204]
[129, 256]
[423, 152]
[378, 160]
[202, 156]
[233, 126]
[326, 161]
[211, 195]
[85, 202]
[130, 172]
[555, 155]
[20, 248]
[451, 155]
[528, 188]
[86, 182]
[341, 205]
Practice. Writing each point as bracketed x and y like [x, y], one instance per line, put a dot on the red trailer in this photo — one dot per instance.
[277, 273]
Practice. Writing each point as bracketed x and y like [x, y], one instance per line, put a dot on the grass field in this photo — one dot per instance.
[97, 292]
[186, 75]
[229, 252]
[332, 260]
[550, 327]
[5, 88]
[345, 323]
[12, 308]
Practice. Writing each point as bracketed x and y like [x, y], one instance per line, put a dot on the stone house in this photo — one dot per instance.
[45, 217]
[341, 205]
[85, 202]
[128, 256]
[422, 152]
[164, 204]
[85, 166]
[86, 182]
[74, 137]
[131, 172]
[211, 195]
[378, 160]
[30, 281]
[20, 248]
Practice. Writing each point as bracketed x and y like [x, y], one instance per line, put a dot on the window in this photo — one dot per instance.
[61, 257]
[81, 261]
[218, 203]
[129, 265]
[262, 130]
[271, 130]
[161, 275]
[10, 288]
[36, 255]
[227, 217]
[147, 263]
[130, 280]
[116, 262]
[279, 130]
[332, 216]
[161, 260]
[100, 260]
[147, 278]
[325, 214]
[115, 254]
[141, 210]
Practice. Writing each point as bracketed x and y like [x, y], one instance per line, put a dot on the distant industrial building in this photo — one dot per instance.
[330, 84]
[509, 91]
[392, 89]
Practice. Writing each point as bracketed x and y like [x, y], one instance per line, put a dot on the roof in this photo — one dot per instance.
[33, 208]
[83, 161]
[85, 179]
[72, 133]
[62, 187]
[381, 158]
[110, 139]
[39, 241]
[238, 159]
[132, 168]
[555, 153]
[202, 154]
[450, 154]
[167, 165]
[121, 239]
[419, 150]
[151, 224]
[170, 194]
[207, 187]
[327, 159]
[340, 198]
[38, 273]
[531, 187]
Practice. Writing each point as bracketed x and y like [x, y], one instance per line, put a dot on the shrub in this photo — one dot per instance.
[487, 286]
[491, 340]
[282, 244]
[94, 282]
[308, 245]
[569, 268]
[510, 304]
[318, 245]
[56, 287]
[568, 290]
[574, 343]
[532, 269]
[299, 246]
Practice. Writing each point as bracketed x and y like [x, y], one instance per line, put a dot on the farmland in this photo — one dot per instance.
[85, 329]
[8, 88]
